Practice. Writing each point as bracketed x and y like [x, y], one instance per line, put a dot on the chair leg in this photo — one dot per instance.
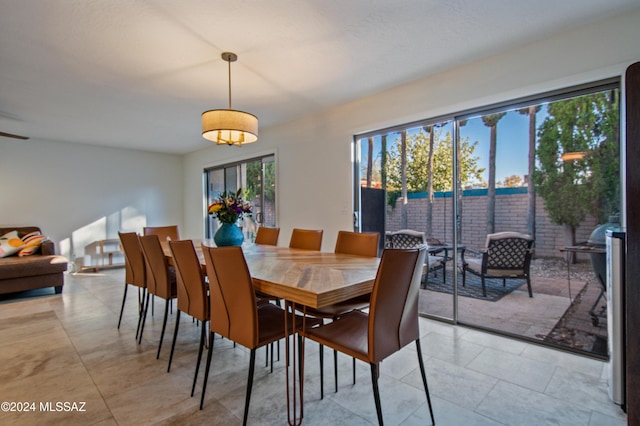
[142, 320]
[354, 370]
[173, 344]
[376, 391]
[124, 299]
[164, 326]
[484, 287]
[444, 272]
[335, 367]
[195, 376]
[321, 372]
[140, 308]
[299, 358]
[252, 363]
[271, 345]
[206, 371]
[424, 380]
[464, 277]
[529, 286]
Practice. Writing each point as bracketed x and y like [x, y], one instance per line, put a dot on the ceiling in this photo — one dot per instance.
[138, 74]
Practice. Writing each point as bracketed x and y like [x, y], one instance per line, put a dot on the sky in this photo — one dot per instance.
[512, 144]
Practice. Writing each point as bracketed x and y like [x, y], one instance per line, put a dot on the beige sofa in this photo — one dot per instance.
[40, 270]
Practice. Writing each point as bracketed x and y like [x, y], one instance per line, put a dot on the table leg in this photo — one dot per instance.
[292, 409]
[568, 257]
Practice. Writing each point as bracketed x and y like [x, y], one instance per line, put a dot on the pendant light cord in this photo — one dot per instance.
[229, 63]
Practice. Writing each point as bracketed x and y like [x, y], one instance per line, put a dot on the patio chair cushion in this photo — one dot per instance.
[475, 265]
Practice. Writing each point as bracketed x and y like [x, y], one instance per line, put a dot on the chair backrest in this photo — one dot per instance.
[165, 233]
[308, 239]
[158, 276]
[361, 244]
[508, 250]
[233, 307]
[135, 269]
[267, 236]
[404, 238]
[393, 315]
[192, 289]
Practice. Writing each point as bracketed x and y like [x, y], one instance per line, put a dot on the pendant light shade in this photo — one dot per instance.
[229, 126]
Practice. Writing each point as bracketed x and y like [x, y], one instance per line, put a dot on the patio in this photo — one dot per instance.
[550, 316]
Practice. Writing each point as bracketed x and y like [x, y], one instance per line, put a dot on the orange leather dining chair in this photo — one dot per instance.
[267, 236]
[234, 312]
[308, 239]
[358, 244]
[161, 280]
[193, 297]
[135, 272]
[392, 321]
[165, 233]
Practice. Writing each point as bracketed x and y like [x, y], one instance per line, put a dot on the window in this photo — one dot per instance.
[547, 166]
[256, 177]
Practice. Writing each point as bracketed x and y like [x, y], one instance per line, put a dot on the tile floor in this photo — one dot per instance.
[67, 349]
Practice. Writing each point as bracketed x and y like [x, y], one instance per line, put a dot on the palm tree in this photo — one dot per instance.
[491, 121]
[430, 130]
[458, 179]
[403, 177]
[383, 161]
[370, 162]
[531, 189]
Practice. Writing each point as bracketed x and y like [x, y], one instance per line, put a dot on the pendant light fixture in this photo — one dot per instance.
[229, 126]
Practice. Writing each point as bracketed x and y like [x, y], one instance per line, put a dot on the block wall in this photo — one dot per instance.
[510, 215]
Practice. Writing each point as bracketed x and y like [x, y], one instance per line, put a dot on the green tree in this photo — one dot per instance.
[417, 148]
[256, 171]
[513, 181]
[589, 185]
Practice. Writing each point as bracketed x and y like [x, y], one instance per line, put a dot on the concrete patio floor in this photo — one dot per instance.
[549, 316]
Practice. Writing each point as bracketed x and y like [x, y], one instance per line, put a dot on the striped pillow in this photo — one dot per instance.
[32, 243]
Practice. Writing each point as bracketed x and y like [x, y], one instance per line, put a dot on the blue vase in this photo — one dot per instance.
[228, 235]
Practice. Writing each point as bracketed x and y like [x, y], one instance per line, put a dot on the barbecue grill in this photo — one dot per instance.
[598, 240]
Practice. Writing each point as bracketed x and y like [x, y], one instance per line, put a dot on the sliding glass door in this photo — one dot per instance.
[256, 177]
[507, 198]
[405, 182]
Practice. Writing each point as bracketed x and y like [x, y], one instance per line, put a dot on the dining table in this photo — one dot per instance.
[302, 278]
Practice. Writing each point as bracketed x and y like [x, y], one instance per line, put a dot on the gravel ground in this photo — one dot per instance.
[557, 268]
[576, 329]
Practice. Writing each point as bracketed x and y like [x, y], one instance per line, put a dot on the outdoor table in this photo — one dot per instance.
[582, 248]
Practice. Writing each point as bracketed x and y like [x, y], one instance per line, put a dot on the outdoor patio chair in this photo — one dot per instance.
[506, 255]
[408, 238]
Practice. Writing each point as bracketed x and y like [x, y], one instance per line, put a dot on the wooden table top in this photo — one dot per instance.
[311, 278]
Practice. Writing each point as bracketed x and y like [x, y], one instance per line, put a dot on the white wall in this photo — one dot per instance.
[314, 154]
[78, 193]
